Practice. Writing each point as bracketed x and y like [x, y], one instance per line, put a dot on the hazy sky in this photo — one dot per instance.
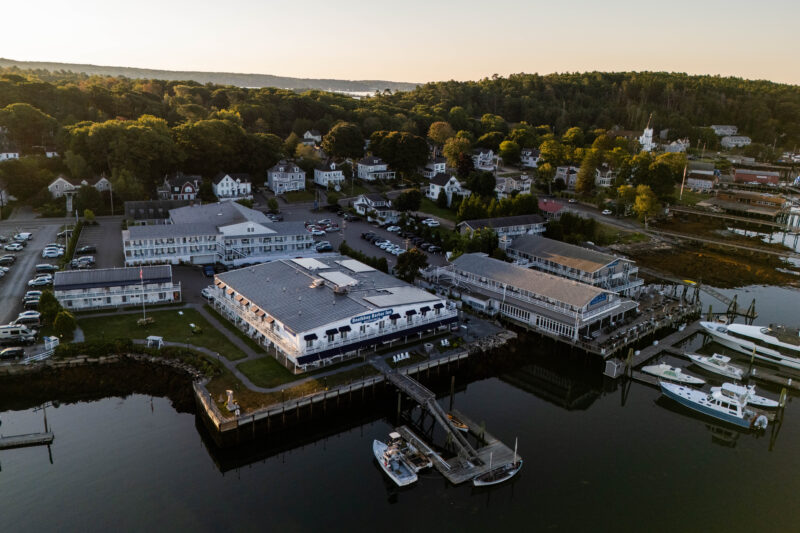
[413, 40]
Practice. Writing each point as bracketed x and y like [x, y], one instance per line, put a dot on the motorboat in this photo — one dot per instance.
[716, 405]
[718, 364]
[413, 457]
[731, 390]
[500, 473]
[393, 463]
[778, 345]
[671, 373]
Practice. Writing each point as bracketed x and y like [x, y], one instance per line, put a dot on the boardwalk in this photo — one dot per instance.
[724, 216]
[704, 240]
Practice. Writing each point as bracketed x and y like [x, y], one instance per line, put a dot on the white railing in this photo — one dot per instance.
[516, 295]
[66, 295]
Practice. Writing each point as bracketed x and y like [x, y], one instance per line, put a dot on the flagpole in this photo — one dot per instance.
[141, 281]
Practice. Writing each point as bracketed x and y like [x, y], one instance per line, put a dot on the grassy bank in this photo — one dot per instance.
[173, 326]
[429, 207]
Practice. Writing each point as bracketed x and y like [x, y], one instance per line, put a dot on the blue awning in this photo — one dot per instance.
[424, 310]
[333, 331]
[344, 328]
[394, 316]
[438, 306]
[410, 312]
[311, 337]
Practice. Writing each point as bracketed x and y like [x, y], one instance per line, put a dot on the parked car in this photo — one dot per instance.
[351, 218]
[50, 253]
[317, 232]
[32, 294]
[46, 268]
[208, 271]
[332, 228]
[7, 259]
[393, 229]
[434, 249]
[572, 200]
[23, 236]
[13, 247]
[323, 222]
[433, 224]
[14, 352]
[606, 212]
[87, 249]
[324, 246]
[207, 293]
[32, 303]
[41, 281]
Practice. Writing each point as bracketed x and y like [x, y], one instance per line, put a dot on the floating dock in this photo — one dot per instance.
[23, 441]
[458, 470]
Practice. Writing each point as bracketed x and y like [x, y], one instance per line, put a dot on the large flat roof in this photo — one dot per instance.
[553, 287]
[111, 277]
[504, 222]
[286, 290]
[562, 253]
[218, 214]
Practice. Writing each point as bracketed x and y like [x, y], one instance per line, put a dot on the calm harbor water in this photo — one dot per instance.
[598, 456]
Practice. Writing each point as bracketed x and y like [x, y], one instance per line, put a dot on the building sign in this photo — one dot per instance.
[371, 317]
[599, 298]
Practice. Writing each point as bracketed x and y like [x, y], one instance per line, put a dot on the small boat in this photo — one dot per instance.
[392, 462]
[730, 390]
[671, 373]
[500, 473]
[414, 458]
[719, 364]
[458, 424]
[716, 405]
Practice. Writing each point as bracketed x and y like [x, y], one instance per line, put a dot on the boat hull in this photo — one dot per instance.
[730, 372]
[657, 371]
[713, 413]
[395, 469]
[745, 347]
[498, 475]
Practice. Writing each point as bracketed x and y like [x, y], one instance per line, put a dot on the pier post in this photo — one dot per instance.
[399, 403]
[452, 390]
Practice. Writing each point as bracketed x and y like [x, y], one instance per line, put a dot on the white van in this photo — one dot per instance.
[24, 236]
[17, 333]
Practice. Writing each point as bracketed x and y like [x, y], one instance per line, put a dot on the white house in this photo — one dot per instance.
[180, 186]
[232, 186]
[311, 137]
[483, 158]
[449, 184]
[8, 156]
[329, 175]
[510, 227]
[115, 287]
[506, 186]
[436, 165]
[604, 176]
[567, 174]
[373, 168]
[286, 176]
[529, 157]
[733, 141]
[62, 185]
[701, 181]
[222, 232]
[375, 206]
[724, 129]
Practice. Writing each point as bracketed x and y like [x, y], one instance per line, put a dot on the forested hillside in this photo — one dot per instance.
[136, 130]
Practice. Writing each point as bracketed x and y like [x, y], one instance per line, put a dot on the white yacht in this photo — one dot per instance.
[393, 463]
[671, 373]
[731, 390]
[778, 345]
[732, 410]
[719, 364]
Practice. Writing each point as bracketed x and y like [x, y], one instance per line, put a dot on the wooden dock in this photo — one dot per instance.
[22, 441]
[665, 345]
[456, 469]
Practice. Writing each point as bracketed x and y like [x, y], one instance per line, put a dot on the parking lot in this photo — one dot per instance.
[106, 236]
[15, 282]
[351, 232]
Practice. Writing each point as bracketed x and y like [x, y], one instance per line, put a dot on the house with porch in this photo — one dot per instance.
[312, 137]
[232, 186]
[62, 185]
[286, 176]
[180, 186]
[375, 207]
[529, 157]
[373, 168]
[447, 183]
[329, 175]
[436, 165]
[483, 158]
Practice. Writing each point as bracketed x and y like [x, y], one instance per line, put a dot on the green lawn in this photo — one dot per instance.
[299, 196]
[171, 325]
[689, 197]
[429, 207]
[266, 372]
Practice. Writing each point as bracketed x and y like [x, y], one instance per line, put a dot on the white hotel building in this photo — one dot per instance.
[114, 287]
[225, 232]
[318, 311]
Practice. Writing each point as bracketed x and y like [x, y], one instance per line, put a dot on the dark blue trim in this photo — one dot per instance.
[340, 350]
